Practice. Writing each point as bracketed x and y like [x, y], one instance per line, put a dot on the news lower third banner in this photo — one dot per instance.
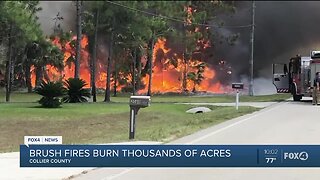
[170, 156]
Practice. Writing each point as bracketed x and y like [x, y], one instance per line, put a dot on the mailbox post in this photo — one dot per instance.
[237, 86]
[136, 102]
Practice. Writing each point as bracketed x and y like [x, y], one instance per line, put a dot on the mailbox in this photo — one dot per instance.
[237, 85]
[140, 101]
[136, 102]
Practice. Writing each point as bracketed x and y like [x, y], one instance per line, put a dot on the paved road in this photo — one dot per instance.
[283, 123]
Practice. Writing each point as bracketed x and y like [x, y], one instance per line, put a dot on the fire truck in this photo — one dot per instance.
[297, 76]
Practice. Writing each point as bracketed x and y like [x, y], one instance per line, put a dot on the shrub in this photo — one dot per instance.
[75, 91]
[51, 91]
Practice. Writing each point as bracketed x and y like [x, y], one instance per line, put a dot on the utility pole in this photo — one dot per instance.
[78, 43]
[252, 49]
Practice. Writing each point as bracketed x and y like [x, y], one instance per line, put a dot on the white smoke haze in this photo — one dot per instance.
[261, 86]
[49, 11]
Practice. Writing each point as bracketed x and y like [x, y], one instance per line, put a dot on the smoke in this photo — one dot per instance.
[261, 86]
[50, 9]
[282, 30]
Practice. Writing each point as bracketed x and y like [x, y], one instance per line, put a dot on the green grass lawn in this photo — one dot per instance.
[104, 123]
[109, 122]
[30, 97]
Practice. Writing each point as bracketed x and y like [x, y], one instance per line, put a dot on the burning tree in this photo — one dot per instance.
[197, 76]
[157, 28]
[112, 23]
[182, 58]
[43, 56]
[135, 37]
[195, 35]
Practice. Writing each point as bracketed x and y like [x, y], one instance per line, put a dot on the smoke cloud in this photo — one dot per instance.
[50, 9]
[283, 29]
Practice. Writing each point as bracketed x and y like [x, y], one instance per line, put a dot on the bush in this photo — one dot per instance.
[51, 91]
[75, 91]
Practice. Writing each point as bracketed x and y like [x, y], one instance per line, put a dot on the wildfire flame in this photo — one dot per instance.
[55, 74]
[166, 77]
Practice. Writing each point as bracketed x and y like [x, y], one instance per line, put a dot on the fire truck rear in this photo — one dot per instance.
[297, 76]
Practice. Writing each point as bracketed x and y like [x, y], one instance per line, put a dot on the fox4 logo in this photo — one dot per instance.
[303, 156]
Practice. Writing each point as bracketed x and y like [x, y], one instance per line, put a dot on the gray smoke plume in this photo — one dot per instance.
[283, 29]
[50, 9]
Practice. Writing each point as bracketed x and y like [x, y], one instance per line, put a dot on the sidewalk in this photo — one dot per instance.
[10, 168]
[253, 104]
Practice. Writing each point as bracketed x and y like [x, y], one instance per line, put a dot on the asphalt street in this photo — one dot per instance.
[283, 123]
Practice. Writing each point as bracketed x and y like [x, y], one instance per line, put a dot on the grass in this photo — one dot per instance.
[109, 122]
[30, 97]
[20, 97]
[104, 123]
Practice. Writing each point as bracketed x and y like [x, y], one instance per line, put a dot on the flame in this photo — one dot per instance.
[166, 77]
[55, 74]
[169, 78]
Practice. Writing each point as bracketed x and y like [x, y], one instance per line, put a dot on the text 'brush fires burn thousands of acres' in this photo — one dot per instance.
[166, 76]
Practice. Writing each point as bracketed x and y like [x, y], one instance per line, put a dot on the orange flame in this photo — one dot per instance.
[54, 74]
[166, 77]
